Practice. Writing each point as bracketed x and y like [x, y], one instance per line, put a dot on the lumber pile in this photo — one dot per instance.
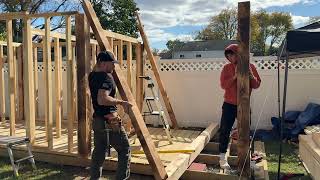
[309, 151]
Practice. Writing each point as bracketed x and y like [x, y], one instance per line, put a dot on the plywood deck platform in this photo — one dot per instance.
[182, 139]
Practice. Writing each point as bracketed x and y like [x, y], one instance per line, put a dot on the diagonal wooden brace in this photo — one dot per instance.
[124, 90]
[155, 70]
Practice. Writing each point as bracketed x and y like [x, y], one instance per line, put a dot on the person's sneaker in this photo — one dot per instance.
[224, 164]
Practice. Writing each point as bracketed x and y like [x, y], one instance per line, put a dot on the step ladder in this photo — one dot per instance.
[12, 141]
[155, 98]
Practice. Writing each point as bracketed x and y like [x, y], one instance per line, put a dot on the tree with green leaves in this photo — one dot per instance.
[222, 26]
[117, 15]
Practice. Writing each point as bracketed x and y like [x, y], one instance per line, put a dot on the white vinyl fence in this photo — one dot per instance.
[193, 88]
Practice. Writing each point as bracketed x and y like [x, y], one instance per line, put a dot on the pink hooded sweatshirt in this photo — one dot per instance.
[230, 85]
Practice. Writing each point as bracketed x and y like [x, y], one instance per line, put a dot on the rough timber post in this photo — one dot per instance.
[243, 89]
[83, 69]
[124, 90]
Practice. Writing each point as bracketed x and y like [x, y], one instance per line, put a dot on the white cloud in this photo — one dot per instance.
[159, 14]
[169, 13]
[299, 21]
[157, 35]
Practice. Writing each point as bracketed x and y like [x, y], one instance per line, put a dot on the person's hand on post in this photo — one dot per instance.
[235, 73]
[250, 73]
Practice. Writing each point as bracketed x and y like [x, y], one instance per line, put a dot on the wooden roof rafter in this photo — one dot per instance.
[22, 15]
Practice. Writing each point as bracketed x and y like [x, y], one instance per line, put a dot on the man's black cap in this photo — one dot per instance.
[106, 56]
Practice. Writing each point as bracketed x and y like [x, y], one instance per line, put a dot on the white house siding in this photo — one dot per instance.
[192, 54]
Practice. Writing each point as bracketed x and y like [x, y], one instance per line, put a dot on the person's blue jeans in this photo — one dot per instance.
[119, 141]
[229, 114]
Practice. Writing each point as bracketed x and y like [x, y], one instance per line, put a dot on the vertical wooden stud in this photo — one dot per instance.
[29, 108]
[120, 53]
[58, 107]
[70, 85]
[48, 85]
[2, 87]
[12, 95]
[20, 82]
[139, 72]
[36, 86]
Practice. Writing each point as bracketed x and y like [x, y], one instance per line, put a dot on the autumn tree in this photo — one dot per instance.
[267, 30]
[279, 24]
[259, 32]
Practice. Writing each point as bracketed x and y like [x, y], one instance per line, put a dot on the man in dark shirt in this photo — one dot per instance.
[103, 90]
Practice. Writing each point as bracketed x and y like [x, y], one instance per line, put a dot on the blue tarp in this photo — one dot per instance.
[299, 120]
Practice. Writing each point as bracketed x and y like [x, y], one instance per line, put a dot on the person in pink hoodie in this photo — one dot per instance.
[228, 82]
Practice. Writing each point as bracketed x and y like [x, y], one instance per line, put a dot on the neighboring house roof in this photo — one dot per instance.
[166, 55]
[208, 45]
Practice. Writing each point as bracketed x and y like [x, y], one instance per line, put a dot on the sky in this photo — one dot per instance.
[180, 19]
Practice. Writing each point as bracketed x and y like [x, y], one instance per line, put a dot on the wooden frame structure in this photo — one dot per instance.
[28, 100]
[78, 98]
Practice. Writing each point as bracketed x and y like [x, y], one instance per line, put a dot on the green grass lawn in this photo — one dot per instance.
[47, 171]
[290, 161]
[290, 164]
[43, 171]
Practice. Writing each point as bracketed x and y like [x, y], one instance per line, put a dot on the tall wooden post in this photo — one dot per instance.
[83, 70]
[29, 100]
[243, 89]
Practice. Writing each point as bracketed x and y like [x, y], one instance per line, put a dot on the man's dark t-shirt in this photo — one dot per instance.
[101, 80]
